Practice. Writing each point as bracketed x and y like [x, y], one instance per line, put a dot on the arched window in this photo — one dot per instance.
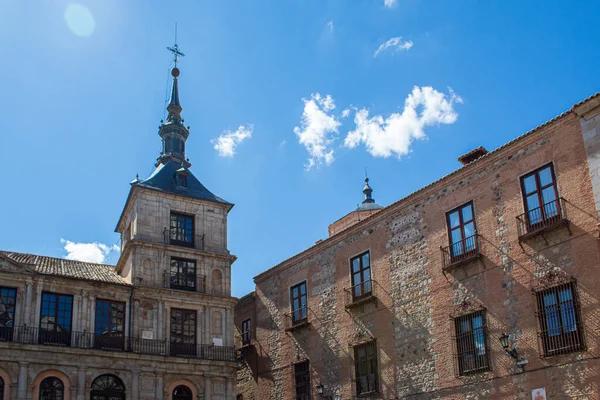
[217, 324]
[52, 388]
[107, 387]
[1, 388]
[217, 282]
[182, 392]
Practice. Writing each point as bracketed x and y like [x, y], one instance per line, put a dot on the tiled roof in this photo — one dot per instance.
[68, 268]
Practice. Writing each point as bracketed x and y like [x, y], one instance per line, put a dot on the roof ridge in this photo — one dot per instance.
[57, 258]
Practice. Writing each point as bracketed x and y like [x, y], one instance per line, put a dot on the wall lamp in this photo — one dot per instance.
[321, 390]
[504, 341]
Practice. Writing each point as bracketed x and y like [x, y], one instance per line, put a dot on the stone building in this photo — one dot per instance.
[157, 325]
[481, 285]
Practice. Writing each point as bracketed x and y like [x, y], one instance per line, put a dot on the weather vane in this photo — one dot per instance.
[175, 49]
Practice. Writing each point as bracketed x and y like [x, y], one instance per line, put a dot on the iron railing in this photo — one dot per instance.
[193, 241]
[116, 342]
[558, 312]
[461, 252]
[360, 293]
[173, 281]
[542, 218]
[296, 319]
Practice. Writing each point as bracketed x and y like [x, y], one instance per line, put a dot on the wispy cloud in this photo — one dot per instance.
[393, 135]
[90, 252]
[390, 3]
[317, 129]
[394, 44]
[330, 25]
[228, 141]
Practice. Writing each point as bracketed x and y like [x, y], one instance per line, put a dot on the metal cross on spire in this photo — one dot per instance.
[175, 49]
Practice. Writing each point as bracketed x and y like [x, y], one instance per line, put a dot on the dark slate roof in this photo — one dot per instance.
[163, 179]
[68, 268]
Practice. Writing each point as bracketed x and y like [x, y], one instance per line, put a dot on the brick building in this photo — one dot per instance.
[483, 284]
[157, 325]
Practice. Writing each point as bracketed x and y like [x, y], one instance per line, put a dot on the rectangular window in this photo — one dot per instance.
[558, 313]
[471, 343]
[183, 332]
[8, 298]
[361, 276]
[110, 325]
[298, 302]
[461, 231]
[540, 197]
[182, 229]
[365, 366]
[56, 319]
[183, 274]
[302, 380]
[246, 332]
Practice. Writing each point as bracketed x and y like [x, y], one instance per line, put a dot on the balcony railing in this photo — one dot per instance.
[184, 282]
[541, 219]
[361, 293]
[297, 319]
[461, 252]
[116, 342]
[191, 241]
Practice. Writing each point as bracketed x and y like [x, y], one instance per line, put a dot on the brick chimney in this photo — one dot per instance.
[472, 155]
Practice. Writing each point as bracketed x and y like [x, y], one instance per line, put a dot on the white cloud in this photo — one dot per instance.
[389, 3]
[228, 141]
[345, 113]
[330, 25]
[317, 129]
[384, 137]
[90, 252]
[395, 44]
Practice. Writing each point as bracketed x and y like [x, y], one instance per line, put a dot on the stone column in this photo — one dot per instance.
[78, 324]
[207, 338]
[230, 390]
[158, 391]
[207, 388]
[84, 309]
[168, 327]
[28, 296]
[160, 329]
[19, 307]
[80, 384]
[92, 313]
[73, 391]
[22, 381]
[38, 303]
[135, 384]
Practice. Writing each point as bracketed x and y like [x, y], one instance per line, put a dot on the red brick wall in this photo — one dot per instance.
[415, 299]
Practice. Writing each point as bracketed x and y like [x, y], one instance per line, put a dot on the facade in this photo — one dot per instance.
[483, 284]
[158, 325]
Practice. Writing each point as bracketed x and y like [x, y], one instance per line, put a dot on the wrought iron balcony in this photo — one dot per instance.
[461, 252]
[188, 282]
[361, 293]
[541, 219]
[116, 342]
[179, 238]
[297, 319]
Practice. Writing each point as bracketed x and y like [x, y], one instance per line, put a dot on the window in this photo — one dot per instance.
[302, 380]
[361, 276]
[461, 232]
[183, 274]
[110, 325]
[107, 387]
[56, 319]
[559, 320]
[8, 297]
[365, 366]
[52, 388]
[182, 230]
[540, 196]
[471, 343]
[246, 332]
[1, 388]
[298, 302]
[182, 392]
[183, 332]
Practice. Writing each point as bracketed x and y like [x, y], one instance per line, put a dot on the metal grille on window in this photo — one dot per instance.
[365, 365]
[52, 388]
[558, 315]
[183, 274]
[182, 229]
[182, 392]
[361, 276]
[471, 343]
[8, 297]
[107, 387]
[302, 380]
[183, 332]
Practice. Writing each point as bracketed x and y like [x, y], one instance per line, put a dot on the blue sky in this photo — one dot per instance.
[82, 103]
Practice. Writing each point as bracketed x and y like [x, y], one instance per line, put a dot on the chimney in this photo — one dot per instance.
[472, 155]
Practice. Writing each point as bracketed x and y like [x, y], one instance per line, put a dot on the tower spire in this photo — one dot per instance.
[367, 191]
[172, 132]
